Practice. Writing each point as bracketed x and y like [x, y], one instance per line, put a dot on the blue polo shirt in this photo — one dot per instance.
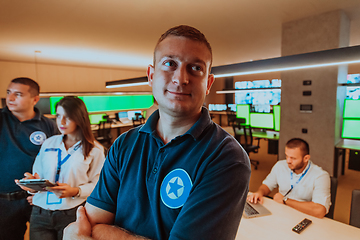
[194, 187]
[20, 142]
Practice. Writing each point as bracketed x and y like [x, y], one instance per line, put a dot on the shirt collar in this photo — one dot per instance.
[36, 117]
[195, 131]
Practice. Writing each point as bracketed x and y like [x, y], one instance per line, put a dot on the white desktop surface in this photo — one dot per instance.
[279, 225]
[348, 144]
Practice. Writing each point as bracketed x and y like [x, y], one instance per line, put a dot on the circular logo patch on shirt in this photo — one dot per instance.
[175, 188]
[37, 137]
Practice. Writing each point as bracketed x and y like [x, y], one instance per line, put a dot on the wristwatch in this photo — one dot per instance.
[77, 195]
[285, 199]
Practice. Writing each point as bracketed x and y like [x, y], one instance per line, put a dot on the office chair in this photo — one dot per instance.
[333, 190]
[355, 208]
[248, 146]
[104, 134]
[231, 117]
[138, 120]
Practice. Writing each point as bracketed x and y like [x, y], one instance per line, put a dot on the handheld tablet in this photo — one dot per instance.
[36, 184]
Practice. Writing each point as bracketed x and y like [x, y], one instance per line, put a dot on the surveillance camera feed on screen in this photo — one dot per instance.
[353, 92]
[259, 94]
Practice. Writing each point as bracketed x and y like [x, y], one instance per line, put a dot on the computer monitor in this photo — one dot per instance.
[231, 107]
[243, 111]
[351, 129]
[131, 114]
[262, 120]
[217, 107]
[276, 113]
[43, 105]
[351, 108]
[97, 118]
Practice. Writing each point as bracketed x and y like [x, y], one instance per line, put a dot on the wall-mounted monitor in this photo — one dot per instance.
[253, 92]
[351, 129]
[351, 108]
[111, 103]
[276, 113]
[262, 120]
[243, 111]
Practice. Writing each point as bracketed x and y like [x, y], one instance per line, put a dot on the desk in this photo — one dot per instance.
[340, 148]
[220, 113]
[119, 126]
[279, 225]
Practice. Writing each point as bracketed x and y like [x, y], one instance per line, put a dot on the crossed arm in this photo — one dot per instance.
[95, 223]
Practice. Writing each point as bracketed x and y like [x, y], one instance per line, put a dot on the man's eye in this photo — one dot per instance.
[169, 64]
[196, 68]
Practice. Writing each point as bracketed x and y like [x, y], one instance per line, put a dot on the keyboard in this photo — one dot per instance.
[249, 210]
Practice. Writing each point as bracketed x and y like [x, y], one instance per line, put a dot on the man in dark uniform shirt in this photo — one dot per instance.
[22, 131]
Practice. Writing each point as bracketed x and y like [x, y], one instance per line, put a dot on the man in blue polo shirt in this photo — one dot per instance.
[22, 131]
[180, 175]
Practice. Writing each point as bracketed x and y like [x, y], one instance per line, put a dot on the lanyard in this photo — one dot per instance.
[61, 162]
[301, 177]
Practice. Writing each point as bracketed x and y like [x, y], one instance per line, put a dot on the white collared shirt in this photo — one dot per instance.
[76, 171]
[313, 187]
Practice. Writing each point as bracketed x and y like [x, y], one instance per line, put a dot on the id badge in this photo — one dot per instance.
[52, 198]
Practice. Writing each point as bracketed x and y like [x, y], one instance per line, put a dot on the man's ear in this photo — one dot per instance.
[150, 74]
[36, 100]
[306, 158]
[210, 81]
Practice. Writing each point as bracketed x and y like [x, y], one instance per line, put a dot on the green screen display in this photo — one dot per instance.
[96, 118]
[262, 120]
[351, 108]
[351, 128]
[110, 103]
[276, 112]
[243, 111]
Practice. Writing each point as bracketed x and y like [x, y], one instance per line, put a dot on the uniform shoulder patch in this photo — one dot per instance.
[175, 188]
[37, 137]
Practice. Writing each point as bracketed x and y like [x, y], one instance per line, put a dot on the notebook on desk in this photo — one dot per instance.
[255, 210]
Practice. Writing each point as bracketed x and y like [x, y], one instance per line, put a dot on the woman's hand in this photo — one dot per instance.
[63, 190]
[28, 176]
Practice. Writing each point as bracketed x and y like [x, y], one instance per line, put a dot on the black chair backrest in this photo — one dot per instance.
[355, 208]
[104, 131]
[333, 190]
[231, 117]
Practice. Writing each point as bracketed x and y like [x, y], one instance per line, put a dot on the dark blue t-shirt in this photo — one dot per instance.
[20, 142]
[194, 187]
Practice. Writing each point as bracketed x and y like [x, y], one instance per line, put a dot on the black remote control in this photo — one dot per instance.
[302, 225]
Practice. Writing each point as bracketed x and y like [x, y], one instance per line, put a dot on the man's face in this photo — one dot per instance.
[295, 159]
[19, 99]
[180, 78]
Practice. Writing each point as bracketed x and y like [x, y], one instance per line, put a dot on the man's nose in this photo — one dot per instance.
[11, 97]
[181, 76]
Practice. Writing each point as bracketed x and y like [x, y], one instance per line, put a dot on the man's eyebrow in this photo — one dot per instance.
[196, 60]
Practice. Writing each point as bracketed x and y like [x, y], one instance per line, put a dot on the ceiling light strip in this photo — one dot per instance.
[332, 57]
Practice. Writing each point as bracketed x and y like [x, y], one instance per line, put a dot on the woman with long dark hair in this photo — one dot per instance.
[73, 161]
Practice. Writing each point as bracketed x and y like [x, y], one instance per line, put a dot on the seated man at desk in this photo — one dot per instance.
[302, 184]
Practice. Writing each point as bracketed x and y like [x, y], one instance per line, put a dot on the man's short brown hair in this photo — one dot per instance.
[34, 86]
[299, 143]
[187, 32]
